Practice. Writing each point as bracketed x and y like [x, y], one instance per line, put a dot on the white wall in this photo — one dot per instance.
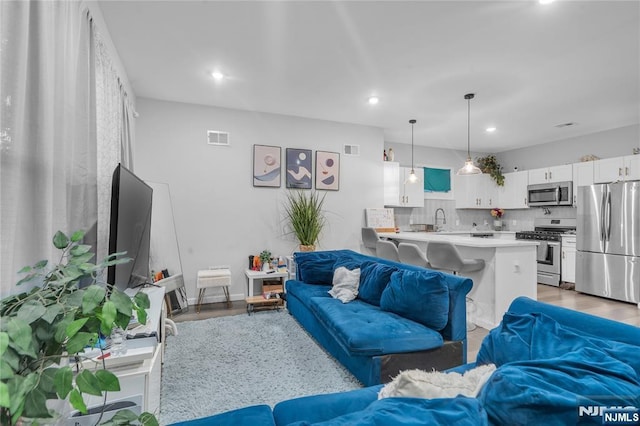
[606, 144]
[220, 217]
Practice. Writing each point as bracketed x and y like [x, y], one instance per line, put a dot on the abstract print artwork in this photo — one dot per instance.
[327, 170]
[299, 168]
[266, 166]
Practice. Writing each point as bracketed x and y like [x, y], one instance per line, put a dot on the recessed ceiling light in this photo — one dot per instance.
[217, 75]
[490, 129]
[545, 1]
[373, 100]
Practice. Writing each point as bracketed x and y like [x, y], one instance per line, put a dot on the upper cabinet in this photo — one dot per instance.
[551, 174]
[582, 176]
[397, 193]
[513, 195]
[475, 192]
[616, 169]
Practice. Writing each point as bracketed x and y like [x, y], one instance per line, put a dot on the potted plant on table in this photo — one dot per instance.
[265, 259]
[304, 212]
[44, 332]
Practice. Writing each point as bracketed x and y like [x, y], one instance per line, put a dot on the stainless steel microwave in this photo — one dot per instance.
[550, 194]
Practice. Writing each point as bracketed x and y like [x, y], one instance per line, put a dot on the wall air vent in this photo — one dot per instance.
[353, 150]
[561, 125]
[215, 137]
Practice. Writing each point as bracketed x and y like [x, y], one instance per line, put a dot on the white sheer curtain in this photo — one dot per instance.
[55, 159]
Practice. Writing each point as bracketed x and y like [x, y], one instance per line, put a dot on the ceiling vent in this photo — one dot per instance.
[353, 150]
[215, 137]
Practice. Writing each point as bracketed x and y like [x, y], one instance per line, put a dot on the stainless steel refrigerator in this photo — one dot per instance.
[608, 241]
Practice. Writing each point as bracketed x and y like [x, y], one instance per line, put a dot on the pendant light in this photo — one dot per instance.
[413, 178]
[469, 168]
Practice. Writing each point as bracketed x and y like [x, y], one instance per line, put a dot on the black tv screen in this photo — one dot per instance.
[130, 229]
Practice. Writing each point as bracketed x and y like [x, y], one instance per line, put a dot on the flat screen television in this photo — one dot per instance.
[130, 229]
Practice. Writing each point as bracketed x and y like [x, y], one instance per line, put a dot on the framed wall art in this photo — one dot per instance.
[327, 170]
[267, 166]
[299, 168]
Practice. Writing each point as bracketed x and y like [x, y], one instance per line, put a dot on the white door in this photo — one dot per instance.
[391, 184]
[413, 192]
[562, 173]
[608, 170]
[513, 195]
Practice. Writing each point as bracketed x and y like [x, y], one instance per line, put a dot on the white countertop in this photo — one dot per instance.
[458, 239]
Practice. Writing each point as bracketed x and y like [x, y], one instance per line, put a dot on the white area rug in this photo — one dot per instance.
[220, 364]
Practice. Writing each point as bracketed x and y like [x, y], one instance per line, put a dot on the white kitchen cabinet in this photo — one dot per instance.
[513, 195]
[397, 193]
[582, 176]
[616, 169]
[475, 192]
[568, 259]
[551, 174]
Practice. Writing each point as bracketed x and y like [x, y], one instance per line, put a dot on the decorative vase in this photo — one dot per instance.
[390, 155]
[497, 225]
[307, 248]
[266, 266]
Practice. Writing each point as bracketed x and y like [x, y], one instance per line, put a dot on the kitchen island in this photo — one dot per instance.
[510, 271]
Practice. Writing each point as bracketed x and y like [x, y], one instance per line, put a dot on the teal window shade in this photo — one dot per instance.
[437, 180]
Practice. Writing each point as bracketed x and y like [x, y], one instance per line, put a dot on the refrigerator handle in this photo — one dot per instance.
[607, 217]
[603, 209]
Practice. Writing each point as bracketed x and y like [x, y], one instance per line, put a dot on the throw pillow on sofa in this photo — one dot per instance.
[316, 267]
[421, 296]
[374, 278]
[345, 284]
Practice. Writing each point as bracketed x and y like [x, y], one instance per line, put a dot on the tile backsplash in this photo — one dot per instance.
[463, 219]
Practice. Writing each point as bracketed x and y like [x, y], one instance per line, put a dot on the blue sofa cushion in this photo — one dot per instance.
[538, 336]
[316, 267]
[413, 412]
[304, 291]
[347, 262]
[248, 416]
[374, 278]
[422, 296]
[366, 330]
[551, 391]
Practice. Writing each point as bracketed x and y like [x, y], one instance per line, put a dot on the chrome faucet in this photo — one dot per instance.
[444, 217]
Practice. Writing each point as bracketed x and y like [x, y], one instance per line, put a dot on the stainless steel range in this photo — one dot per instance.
[549, 233]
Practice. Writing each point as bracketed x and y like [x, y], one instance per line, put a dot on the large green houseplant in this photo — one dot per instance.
[43, 333]
[303, 210]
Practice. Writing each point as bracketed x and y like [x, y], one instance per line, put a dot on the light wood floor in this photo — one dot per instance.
[619, 311]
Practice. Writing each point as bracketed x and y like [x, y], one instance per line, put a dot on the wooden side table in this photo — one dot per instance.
[258, 302]
[263, 275]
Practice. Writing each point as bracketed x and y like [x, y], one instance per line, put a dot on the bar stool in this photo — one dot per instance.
[214, 277]
[412, 255]
[387, 250]
[445, 256]
[369, 239]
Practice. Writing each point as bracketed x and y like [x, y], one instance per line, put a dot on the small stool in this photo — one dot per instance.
[215, 276]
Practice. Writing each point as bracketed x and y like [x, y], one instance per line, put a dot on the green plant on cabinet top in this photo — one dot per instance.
[55, 321]
[490, 165]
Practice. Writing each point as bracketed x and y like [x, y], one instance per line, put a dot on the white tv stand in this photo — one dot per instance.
[140, 369]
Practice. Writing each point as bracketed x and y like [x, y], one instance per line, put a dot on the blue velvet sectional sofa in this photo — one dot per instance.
[403, 317]
[555, 366]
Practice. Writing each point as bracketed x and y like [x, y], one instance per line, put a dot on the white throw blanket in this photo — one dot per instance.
[423, 384]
